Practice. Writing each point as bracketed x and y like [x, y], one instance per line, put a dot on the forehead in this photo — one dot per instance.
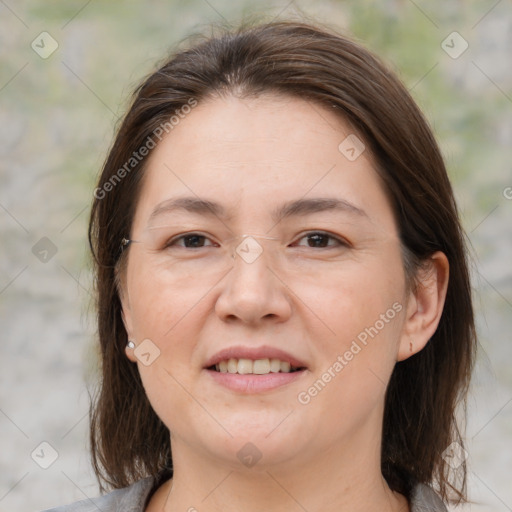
[258, 153]
[256, 131]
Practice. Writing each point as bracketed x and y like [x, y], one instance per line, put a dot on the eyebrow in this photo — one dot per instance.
[298, 207]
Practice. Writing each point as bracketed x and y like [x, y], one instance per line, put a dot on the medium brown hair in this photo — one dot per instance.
[316, 64]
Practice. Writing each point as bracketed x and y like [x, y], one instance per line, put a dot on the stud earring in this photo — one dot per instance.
[130, 344]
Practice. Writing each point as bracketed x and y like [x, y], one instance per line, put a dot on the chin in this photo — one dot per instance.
[251, 441]
[255, 453]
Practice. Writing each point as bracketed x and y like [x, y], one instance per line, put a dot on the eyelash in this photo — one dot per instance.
[340, 241]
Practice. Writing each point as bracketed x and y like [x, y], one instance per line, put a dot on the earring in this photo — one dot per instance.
[130, 344]
[410, 346]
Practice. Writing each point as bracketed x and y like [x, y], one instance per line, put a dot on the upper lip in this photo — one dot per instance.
[254, 353]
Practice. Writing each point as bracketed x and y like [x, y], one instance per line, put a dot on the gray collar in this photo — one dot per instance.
[424, 499]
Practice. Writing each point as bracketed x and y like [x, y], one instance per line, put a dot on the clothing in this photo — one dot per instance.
[134, 498]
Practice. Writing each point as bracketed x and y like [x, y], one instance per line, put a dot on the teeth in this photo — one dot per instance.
[244, 366]
[261, 366]
[232, 366]
[285, 367]
[257, 367]
[275, 365]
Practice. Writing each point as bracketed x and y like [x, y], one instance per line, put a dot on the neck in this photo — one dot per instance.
[343, 479]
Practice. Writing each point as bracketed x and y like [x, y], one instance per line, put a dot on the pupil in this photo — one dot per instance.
[318, 236]
[193, 237]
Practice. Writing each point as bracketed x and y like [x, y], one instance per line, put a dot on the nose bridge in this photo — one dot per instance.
[249, 247]
[253, 291]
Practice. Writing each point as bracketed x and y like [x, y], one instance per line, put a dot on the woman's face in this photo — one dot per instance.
[333, 306]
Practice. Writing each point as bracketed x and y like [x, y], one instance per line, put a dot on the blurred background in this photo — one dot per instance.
[66, 72]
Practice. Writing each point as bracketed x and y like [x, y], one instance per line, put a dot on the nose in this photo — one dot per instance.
[253, 292]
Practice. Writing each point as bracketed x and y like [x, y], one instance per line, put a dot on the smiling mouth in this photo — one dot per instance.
[254, 367]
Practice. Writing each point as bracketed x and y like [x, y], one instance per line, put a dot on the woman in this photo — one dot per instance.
[284, 305]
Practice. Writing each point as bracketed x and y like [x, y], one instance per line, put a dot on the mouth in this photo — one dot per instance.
[254, 369]
[245, 366]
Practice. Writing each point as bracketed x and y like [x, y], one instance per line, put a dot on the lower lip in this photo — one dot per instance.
[252, 383]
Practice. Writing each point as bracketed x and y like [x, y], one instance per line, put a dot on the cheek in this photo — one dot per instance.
[355, 297]
[363, 309]
[160, 308]
[168, 316]
[165, 388]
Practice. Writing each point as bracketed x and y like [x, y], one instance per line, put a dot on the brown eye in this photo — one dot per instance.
[319, 239]
[190, 241]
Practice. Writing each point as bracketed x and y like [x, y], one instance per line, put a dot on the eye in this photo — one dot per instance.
[314, 239]
[190, 241]
[320, 239]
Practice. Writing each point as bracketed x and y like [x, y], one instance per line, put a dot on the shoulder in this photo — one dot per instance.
[425, 499]
[129, 499]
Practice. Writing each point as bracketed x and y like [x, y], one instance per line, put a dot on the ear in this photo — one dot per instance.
[425, 306]
[126, 315]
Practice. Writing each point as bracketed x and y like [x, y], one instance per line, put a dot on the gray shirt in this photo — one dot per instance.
[135, 497]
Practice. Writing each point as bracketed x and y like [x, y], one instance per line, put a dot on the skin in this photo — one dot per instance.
[252, 155]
